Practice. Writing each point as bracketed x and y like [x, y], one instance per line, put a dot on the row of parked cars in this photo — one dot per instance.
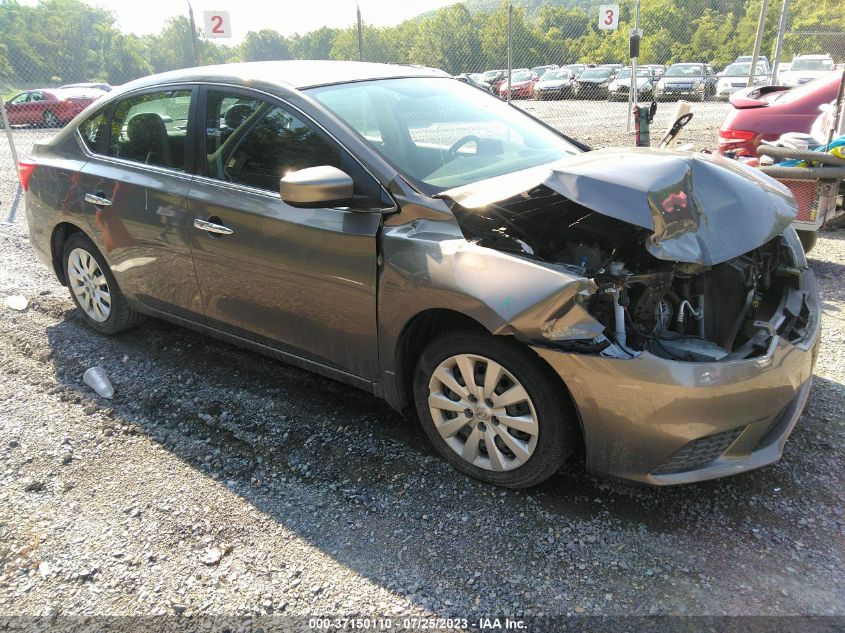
[688, 80]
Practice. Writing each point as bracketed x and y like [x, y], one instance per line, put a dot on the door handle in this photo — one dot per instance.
[211, 227]
[97, 201]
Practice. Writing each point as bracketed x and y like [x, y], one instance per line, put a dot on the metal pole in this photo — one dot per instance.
[632, 98]
[193, 34]
[510, 48]
[360, 36]
[758, 41]
[8, 129]
[836, 127]
[784, 15]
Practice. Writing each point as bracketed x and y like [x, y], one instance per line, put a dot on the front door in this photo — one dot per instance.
[299, 279]
[16, 109]
[135, 187]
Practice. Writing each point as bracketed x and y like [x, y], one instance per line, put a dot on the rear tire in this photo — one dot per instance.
[808, 239]
[50, 119]
[94, 289]
[525, 412]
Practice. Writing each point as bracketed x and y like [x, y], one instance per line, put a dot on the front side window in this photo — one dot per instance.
[152, 128]
[21, 98]
[252, 142]
[441, 133]
[93, 129]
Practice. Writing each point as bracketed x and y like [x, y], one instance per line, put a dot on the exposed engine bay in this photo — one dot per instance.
[677, 310]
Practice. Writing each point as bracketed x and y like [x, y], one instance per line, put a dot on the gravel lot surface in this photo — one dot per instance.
[602, 123]
[218, 481]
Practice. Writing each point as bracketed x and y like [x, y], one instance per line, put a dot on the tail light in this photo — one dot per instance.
[735, 136]
[25, 169]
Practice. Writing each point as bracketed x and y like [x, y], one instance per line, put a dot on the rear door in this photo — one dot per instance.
[134, 189]
[298, 279]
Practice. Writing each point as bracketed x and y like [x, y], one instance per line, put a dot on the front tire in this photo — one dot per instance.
[493, 410]
[94, 289]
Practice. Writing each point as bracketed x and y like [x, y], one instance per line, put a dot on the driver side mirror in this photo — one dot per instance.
[316, 186]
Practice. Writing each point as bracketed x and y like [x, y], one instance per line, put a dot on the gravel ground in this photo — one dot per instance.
[221, 482]
[602, 123]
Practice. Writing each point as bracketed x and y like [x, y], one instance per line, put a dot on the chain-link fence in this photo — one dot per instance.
[564, 65]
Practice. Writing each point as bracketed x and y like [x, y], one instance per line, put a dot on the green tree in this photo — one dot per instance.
[449, 41]
[266, 44]
[314, 45]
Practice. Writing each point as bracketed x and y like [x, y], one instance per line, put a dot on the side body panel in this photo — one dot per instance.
[302, 279]
[144, 233]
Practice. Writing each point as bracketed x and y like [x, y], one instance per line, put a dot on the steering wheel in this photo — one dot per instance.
[453, 151]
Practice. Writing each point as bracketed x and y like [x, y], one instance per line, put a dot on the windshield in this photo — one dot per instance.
[625, 73]
[595, 73]
[742, 70]
[523, 76]
[442, 133]
[490, 74]
[555, 74]
[685, 70]
[812, 64]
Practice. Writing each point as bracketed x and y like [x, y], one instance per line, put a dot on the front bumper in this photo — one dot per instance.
[723, 92]
[671, 92]
[665, 422]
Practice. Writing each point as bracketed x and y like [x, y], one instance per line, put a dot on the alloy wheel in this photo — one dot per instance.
[483, 412]
[89, 285]
[50, 119]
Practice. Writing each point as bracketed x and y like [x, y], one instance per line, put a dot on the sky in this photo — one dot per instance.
[285, 16]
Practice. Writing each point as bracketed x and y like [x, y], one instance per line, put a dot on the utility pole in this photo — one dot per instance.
[193, 33]
[360, 35]
[758, 41]
[784, 16]
[510, 48]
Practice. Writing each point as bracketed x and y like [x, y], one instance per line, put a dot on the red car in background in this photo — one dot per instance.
[49, 107]
[766, 112]
[522, 85]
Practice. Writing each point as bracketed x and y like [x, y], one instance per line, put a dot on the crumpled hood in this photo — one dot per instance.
[701, 208]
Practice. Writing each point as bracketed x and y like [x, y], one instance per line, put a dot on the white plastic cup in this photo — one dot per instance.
[98, 380]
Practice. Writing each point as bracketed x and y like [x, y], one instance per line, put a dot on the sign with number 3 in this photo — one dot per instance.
[217, 24]
[608, 17]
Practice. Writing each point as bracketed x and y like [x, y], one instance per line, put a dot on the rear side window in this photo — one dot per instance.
[92, 129]
[152, 128]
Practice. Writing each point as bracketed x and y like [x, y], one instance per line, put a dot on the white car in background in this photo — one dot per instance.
[735, 77]
[805, 68]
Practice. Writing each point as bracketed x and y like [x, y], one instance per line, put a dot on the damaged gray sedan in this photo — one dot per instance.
[402, 232]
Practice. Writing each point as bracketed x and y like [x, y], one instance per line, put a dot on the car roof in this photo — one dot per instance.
[297, 74]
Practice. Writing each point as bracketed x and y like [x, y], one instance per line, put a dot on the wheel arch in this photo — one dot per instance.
[61, 232]
[417, 332]
[422, 328]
